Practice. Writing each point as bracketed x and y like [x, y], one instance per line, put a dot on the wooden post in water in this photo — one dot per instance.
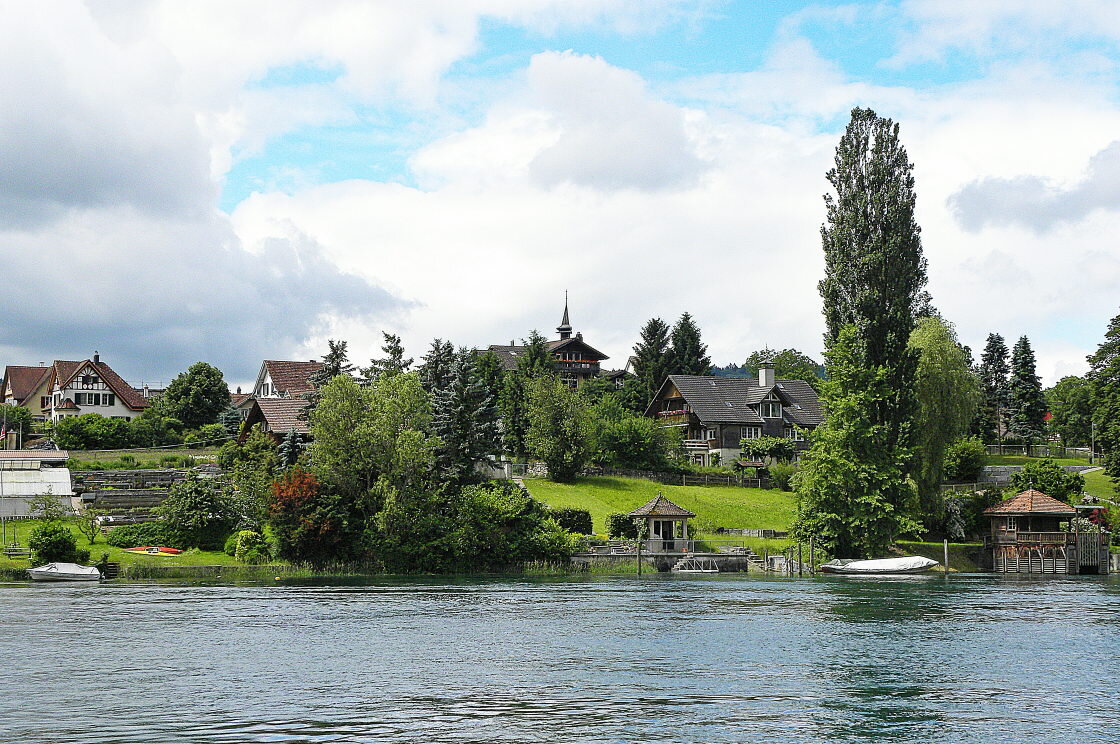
[639, 555]
[946, 564]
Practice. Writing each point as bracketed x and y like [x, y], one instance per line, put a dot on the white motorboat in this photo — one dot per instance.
[911, 564]
[691, 565]
[64, 572]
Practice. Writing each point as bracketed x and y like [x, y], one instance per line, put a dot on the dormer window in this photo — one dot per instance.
[771, 409]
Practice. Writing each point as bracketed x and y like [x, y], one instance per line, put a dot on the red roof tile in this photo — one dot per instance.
[1031, 502]
[24, 380]
[67, 371]
[291, 378]
[280, 414]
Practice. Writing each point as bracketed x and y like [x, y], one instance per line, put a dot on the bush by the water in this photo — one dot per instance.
[964, 460]
[138, 535]
[199, 513]
[52, 542]
[621, 526]
[250, 547]
[577, 521]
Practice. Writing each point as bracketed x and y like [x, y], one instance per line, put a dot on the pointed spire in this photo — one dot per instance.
[565, 327]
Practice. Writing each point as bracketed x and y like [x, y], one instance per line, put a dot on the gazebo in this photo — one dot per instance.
[662, 519]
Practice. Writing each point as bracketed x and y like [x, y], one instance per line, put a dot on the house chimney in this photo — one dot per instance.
[766, 375]
[96, 358]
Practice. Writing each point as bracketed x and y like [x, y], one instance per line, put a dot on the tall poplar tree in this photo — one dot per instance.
[993, 372]
[1025, 400]
[873, 290]
[688, 355]
[875, 273]
[651, 358]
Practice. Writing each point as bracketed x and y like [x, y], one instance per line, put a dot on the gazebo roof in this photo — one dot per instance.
[659, 506]
[1031, 502]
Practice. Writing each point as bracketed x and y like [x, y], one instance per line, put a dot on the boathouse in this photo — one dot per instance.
[1029, 534]
[667, 526]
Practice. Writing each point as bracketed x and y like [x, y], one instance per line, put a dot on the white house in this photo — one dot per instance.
[91, 386]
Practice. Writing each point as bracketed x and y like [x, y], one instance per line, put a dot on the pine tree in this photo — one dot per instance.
[651, 358]
[993, 373]
[393, 363]
[1026, 404]
[535, 360]
[875, 273]
[1104, 376]
[335, 363]
[688, 355]
[465, 418]
[489, 370]
[435, 372]
[291, 446]
[514, 406]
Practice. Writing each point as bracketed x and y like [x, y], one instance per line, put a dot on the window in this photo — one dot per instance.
[44, 401]
[109, 399]
[771, 409]
[795, 433]
[709, 433]
[1012, 524]
[752, 432]
[79, 399]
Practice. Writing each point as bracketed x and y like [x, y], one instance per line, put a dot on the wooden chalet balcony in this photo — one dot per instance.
[674, 417]
[700, 444]
[585, 364]
[1029, 538]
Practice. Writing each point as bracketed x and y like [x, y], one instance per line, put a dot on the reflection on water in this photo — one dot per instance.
[661, 659]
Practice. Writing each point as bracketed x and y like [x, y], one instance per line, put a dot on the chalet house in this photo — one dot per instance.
[91, 386]
[28, 387]
[278, 397]
[574, 360]
[278, 379]
[716, 413]
[1026, 536]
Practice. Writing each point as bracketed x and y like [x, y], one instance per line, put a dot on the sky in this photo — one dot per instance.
[238, 181]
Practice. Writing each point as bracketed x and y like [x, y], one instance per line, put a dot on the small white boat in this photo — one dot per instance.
[692, 565]
[64, 572]
[909, 565]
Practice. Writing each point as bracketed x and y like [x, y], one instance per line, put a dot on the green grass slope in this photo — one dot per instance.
[714, 506]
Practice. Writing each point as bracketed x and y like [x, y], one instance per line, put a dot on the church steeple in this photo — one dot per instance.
[565, 327]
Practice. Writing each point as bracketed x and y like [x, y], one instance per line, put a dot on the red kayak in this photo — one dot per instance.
[153, 550]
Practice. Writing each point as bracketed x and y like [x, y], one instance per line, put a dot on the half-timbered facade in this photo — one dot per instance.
[91, 386]
[715, 414]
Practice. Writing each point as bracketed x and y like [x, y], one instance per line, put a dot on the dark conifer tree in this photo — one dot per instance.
[534, 362]
[688, 355]
[435, 372]
[465, 418]
[535, 359]
[1104, 376]
[335, 363]
[489, 370]
[393, 363]
[1025, 399]
[651, 359]
[291, 446]
[993, 372]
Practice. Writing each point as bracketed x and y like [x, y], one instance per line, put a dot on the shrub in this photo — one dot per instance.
[577, 521]
[52, 541]
[621, 525]
[1049, 477]
[230, 547]
[964, 460]
[136, 535]
[781, 475]
[199, 513]
[250, 547]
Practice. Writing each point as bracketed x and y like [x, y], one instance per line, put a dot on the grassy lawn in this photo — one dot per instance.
[715, 506]
[20, 531]
[1023, 460]
[1097, 484]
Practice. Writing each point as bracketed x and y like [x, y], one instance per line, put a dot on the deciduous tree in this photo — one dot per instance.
[788, 364]
[559, 428]
[197, 397]
[1070, 402]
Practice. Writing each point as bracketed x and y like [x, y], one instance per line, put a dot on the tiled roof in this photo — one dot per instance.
[588, 352]
[659, 506]
[66, 405]
[292, 378]
[1031, 502]
[25, 380]
[734, 400]
[40, 455]
[66, 371]
[507, 355]
[282, 414]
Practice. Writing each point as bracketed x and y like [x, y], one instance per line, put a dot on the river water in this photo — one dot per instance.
[661, 659]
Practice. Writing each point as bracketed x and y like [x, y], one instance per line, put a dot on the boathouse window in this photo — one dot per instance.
[1012, 524]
